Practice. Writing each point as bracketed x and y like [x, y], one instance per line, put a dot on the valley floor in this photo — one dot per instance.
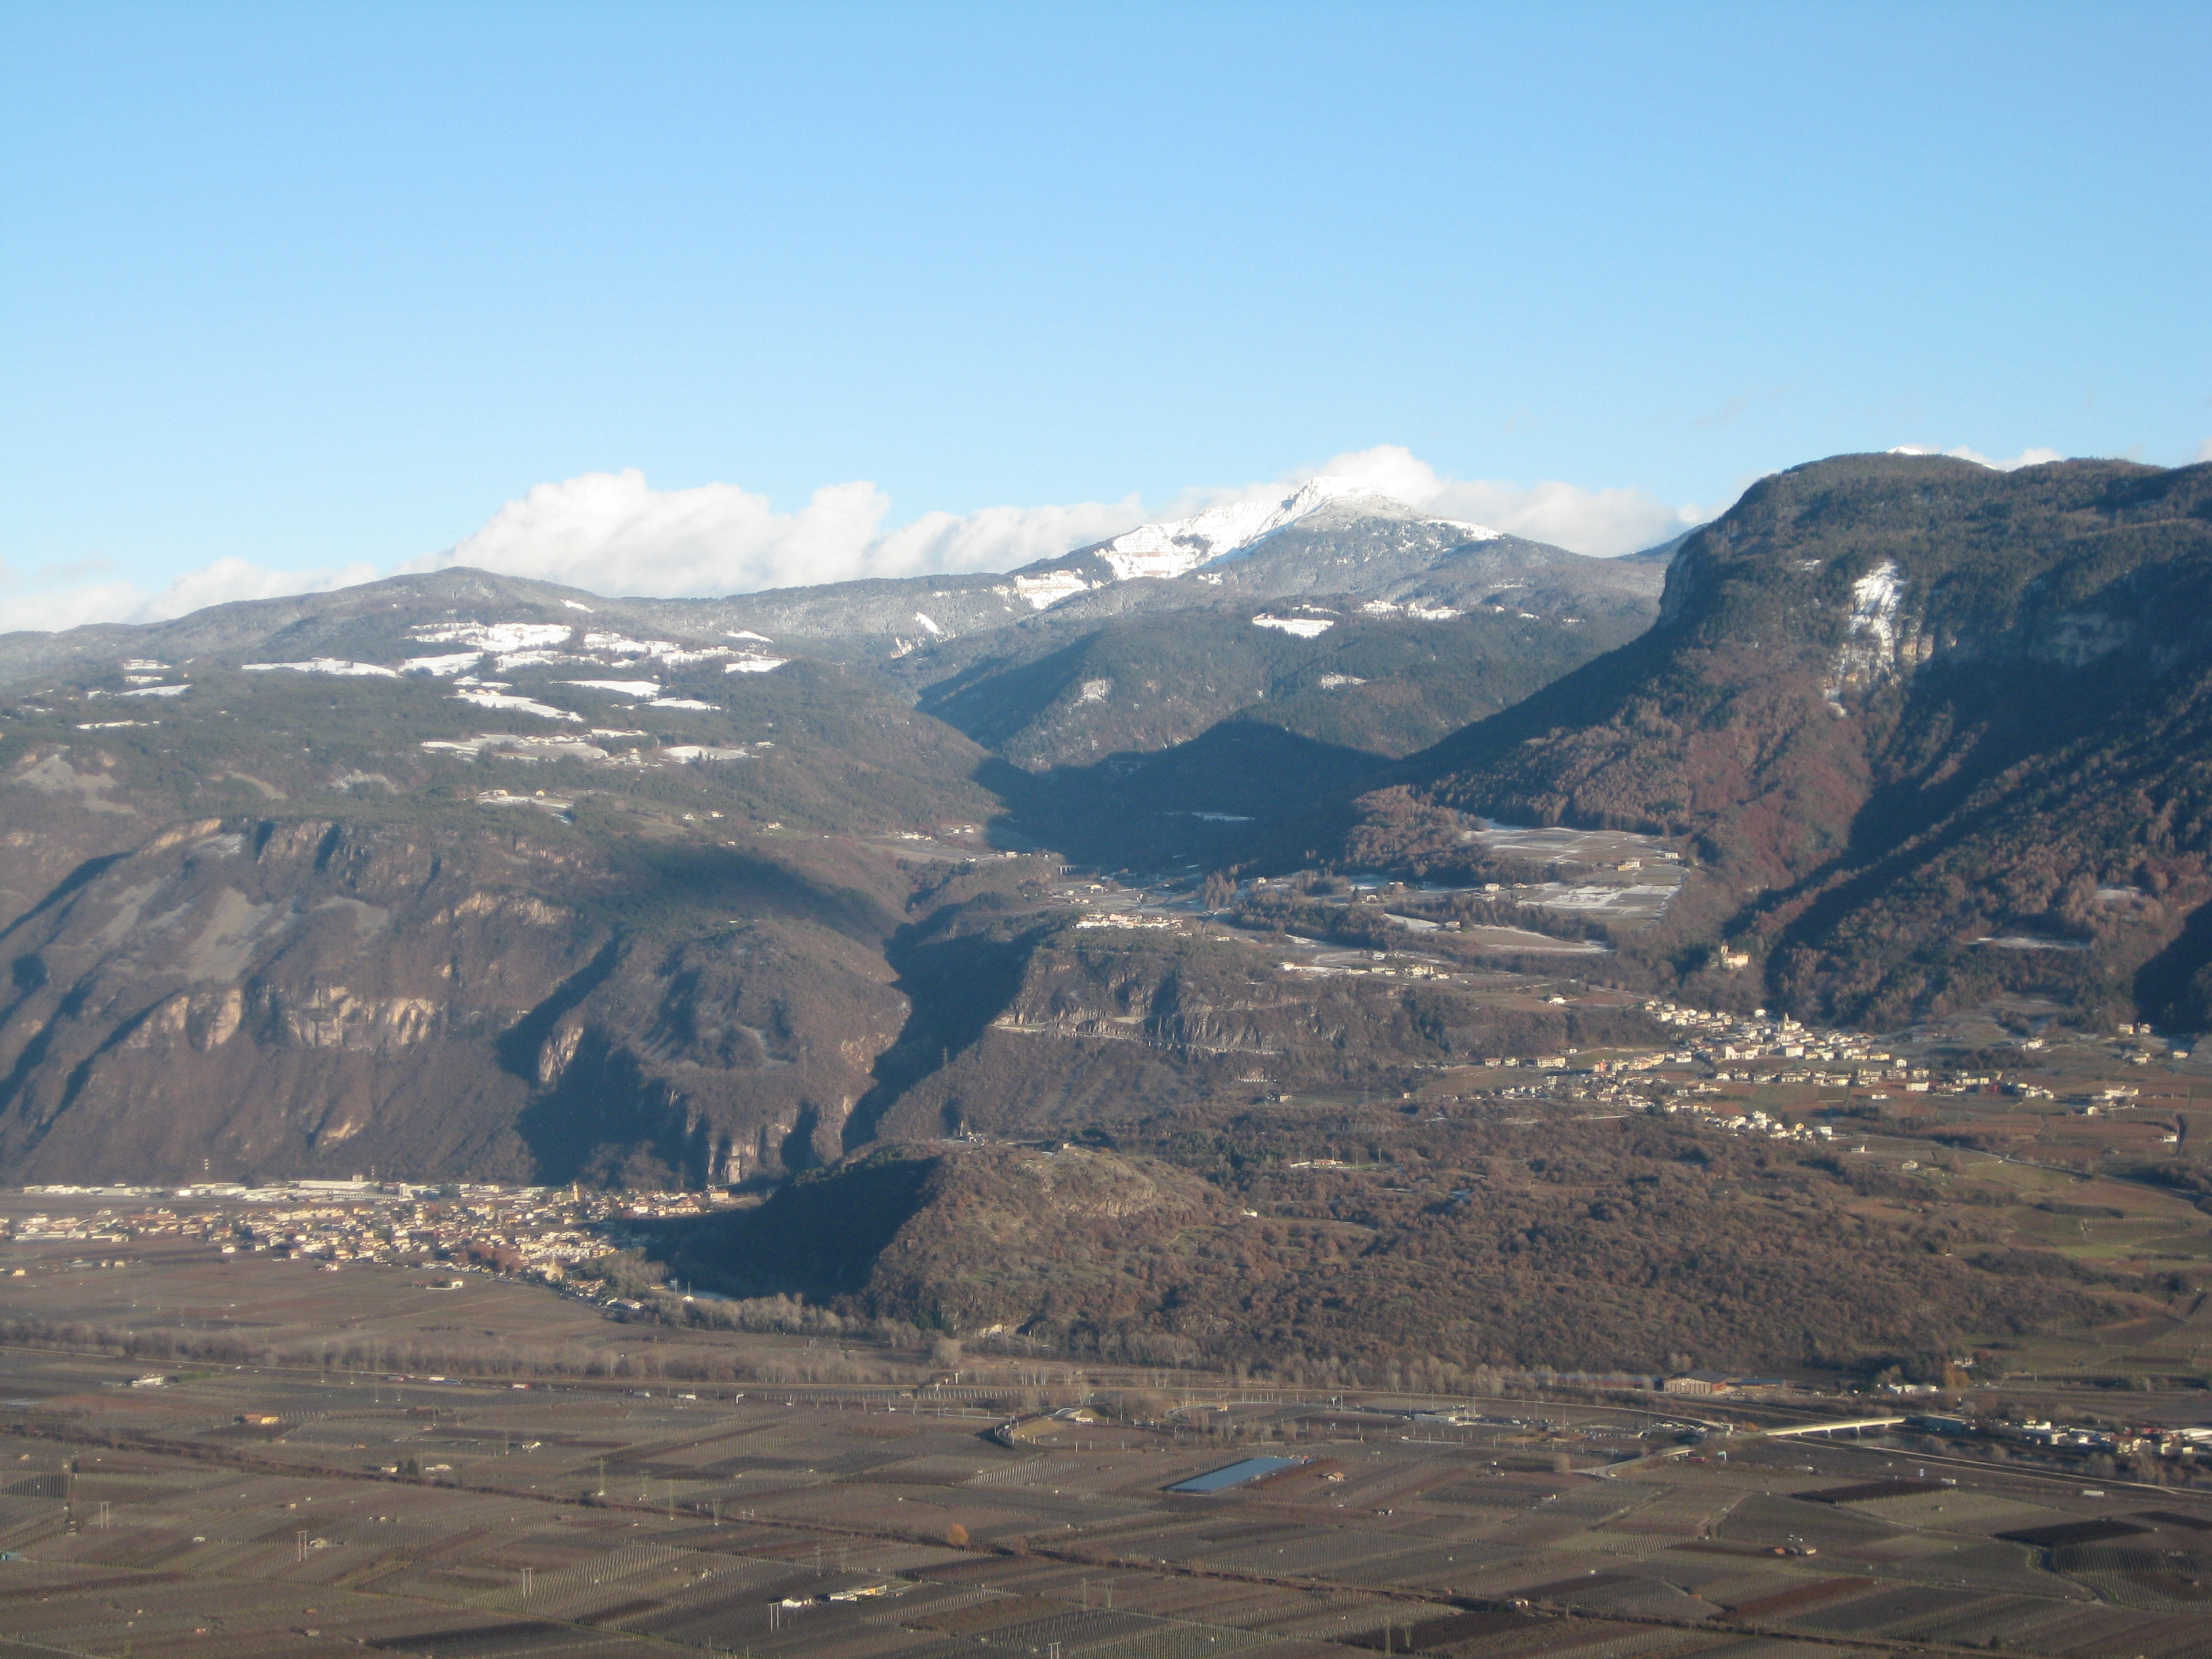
[608, 1489]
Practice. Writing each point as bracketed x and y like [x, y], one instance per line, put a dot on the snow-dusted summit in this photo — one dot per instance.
[1223, 533]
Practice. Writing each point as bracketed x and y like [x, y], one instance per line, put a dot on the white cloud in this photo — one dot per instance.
[41, 602]
[2203, 451]
[2025, 457]
[1605, 522]
[612, 533]
[1000, 538]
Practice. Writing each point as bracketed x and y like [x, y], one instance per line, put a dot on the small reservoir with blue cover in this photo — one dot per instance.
[1237, 1474]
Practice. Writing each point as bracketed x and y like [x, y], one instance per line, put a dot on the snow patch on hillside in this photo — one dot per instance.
[442, 665]
[517, 746]
[324, 665]
[486, 699]
[1305, 627]
[493, 636]
[1868, 653]
[620, 688]
[1050, 588]
[623, 646]
[1413, 608]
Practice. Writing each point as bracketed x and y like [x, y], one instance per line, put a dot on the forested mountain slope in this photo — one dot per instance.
[1930, 730]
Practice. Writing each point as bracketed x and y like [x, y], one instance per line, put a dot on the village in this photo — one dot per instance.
[537, 1233]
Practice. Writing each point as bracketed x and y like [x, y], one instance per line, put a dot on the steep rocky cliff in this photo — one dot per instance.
[277, 997]
[1082, 1026]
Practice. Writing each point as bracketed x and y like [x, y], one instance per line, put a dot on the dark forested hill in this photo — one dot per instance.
[1930, 729]
[1598, 1245]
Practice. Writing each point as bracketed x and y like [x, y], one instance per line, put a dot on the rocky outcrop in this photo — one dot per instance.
[1104, 1026]
[739, 1055]
[279, 997]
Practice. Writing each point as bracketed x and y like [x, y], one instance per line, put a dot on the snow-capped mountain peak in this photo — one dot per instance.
[1173, 549]
[1224, 532]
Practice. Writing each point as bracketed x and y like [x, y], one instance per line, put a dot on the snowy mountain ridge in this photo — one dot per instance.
[1220, 533]
[1332, 535]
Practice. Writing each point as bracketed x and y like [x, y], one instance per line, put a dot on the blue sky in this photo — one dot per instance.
[296, 294]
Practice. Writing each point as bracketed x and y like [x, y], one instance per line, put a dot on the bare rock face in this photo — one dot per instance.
[237, 997]
[735, 1055]
[60, 807]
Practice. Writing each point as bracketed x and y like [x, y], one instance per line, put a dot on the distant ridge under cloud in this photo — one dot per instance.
[614, 533]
